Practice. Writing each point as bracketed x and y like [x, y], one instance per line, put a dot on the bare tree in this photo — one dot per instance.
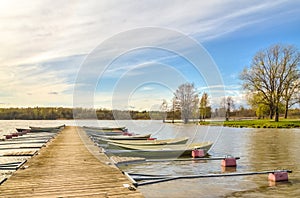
[186, 96]
[175, 107]
[228, 104]
[164, 109]
[271, 73]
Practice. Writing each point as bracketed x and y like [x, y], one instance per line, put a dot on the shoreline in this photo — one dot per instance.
[285, 124]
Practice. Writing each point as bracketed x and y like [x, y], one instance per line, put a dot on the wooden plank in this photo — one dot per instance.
[35, 146]
[126, 160]
[23, 142]
[19, 153]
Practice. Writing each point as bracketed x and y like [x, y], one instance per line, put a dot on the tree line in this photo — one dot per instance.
[55, 113]
[36, 113]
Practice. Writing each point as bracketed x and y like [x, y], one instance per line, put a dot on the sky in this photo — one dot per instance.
[133, 54]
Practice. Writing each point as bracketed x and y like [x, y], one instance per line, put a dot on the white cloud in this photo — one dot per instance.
[32, 86]
[147, 88]
[40, 30]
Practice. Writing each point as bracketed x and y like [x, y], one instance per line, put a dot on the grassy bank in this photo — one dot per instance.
[286, 123]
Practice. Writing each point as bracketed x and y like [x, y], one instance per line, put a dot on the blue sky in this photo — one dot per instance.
[45, 44]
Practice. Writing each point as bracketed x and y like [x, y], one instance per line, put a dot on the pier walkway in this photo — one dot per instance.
[69, 166]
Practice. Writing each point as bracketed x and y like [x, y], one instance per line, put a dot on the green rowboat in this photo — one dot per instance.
[148, 142]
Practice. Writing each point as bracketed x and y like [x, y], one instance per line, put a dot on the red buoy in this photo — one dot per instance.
[15, 134]
[151, 139]
[127, 133]
[8, 136]
[198, 153]
[278, 176]
[229, 162]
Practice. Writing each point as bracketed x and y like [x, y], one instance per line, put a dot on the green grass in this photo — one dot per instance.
[283, 123]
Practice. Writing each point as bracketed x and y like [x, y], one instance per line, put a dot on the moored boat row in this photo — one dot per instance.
[126, 137]
[17, 147]
[131, 145]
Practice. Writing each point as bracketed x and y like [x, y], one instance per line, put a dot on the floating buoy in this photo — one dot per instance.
[198, 153]
[151, 139]
[127, 133]
[14, 134]
[228, 162]
[278, 176]
[8, 136]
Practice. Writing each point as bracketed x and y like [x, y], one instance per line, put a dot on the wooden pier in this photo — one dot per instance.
[69, 166]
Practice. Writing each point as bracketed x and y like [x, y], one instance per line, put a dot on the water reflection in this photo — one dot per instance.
[225, 169]
[259, 149]
[273, 148]
[270, 149]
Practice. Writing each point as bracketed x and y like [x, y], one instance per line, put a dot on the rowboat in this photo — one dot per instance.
[106, 128]
[159, 151]
[22, 129]
[123, 137]
[100, 132]
[159, 146]
[149, 142]
[45, 129]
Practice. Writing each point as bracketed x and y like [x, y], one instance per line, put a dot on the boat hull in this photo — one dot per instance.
[45, 129]
[159, 153]
[150, 142]
[126, 137]
[103, 133]
[121, 129]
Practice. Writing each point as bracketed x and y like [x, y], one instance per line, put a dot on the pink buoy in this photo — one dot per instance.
[229, 162]
[198, 153]
[278, 176]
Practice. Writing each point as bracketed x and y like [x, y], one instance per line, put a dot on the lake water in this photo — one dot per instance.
[259, 149]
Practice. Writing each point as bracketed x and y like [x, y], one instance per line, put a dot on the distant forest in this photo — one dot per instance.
[53, 113]
[56, 113]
